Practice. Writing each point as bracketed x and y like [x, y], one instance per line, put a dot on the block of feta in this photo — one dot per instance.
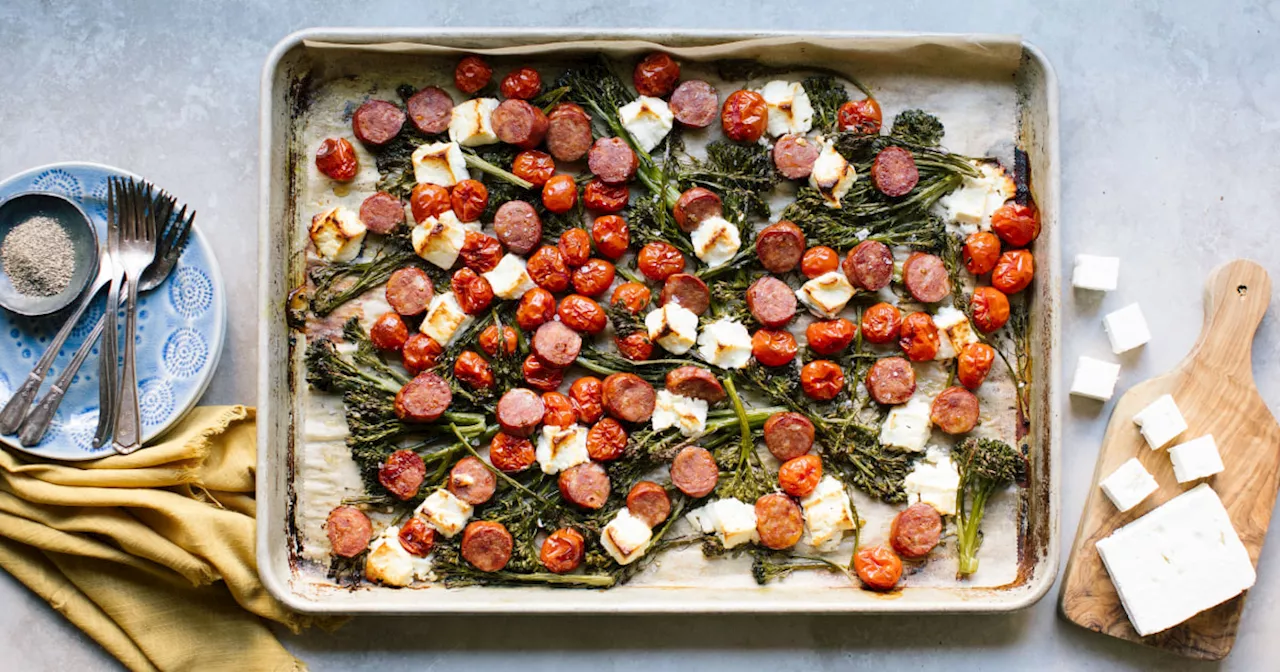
[444, 318]
[1197, 458]
[977, 198]
[826, 295]
[626, 537]
[790, 110]
[732, 520]
[954, 332]
[827, 514]
[1126, 328]
[725, 343]
[444, 512]
[471, 123]
[908, 426]
[1160, 422]
[338, 234]
[715, 241]
[672, 326]
[1128, 485]
[686, 414]
[439, 163]
[647, 119]
[1097, 273]
[439, 239]
[1177, 561]
[934, 481]
[390, 564]
[832, 175]
[1095, 379]
[510, 278]
[561, 447]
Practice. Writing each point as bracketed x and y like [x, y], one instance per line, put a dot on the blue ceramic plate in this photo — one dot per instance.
[181, 327]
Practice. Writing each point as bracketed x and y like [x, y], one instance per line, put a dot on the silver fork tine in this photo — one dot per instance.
[138, 252]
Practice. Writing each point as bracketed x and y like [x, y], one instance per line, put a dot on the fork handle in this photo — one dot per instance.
[37, 422]
[128, 434]
[107, 388]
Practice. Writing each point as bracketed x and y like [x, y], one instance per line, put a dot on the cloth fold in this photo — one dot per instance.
[152, 554]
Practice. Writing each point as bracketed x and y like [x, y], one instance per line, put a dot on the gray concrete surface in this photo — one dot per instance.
[1170, 139]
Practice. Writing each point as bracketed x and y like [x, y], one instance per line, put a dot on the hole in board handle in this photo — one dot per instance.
[1242, 290]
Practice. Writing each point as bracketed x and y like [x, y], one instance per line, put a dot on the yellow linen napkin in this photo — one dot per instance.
[152, 554]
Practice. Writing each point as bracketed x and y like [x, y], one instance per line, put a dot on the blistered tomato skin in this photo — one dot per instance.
[659, 261]
[818, 261]
[521, 84]
[860, 116]
[582, 314]
[636, 346]
[469, 199]
[601, 196]
[1013, 272]
[389, 332]
[574, 246]
[830, 337]
[489, 340]
[799, 476]
[534, 166]
[336, 158]
[593, 278]
[560, 194]
[744, 116]
[429, 200]
[821, 380]
[981, 252]
[773, 347]
[631, 295]
[919, 337]
[990, 309]
[472, 74]
[881, 323]
[878, 567]
[472, 370]
[1017, 225]
[656, 75]
[611, 235]
[473, 291]
[536, 307]
[974, 364]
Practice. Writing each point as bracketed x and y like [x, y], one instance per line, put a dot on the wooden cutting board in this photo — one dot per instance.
[1214, 389]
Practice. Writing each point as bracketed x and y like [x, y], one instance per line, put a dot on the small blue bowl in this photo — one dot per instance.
[84, 242]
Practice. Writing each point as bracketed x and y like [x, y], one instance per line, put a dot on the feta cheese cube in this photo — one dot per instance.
[826, 295]
[715, 241]
[977, 198]
[1160, 422]
[1096, 273]
[908, 426]
[647, 119]
[338, 234]
[561, 447]
[626, 537]
[445, 512]
[439, 239]
[934, 481]
[954, 332]
[1197, 458]
[790, 110]
[1126, 328]
[390, 564]
[827, 514]
[471, 123]
[1177, 561]
[726, 344]
[439, 163]
[510, 278]
[1095, 379]
[732, 520]
[832, 175]
[686, 414]
[444, 318]
[672, 326]
[1128, 485]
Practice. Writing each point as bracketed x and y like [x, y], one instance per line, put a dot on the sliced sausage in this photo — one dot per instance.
[649, 502]
[556, 345]
[585, 485]
[628, 397]
[916, 530]
[695, 205]
[780, 247]
[891, 381]
[349, 531]
[788, 435]
[416, 537]
[771, 302]
[694, 472]
[471, 481]
[430, 110]
[894, 172]
[382, 212]
[687, 290]
[409, 291]
[520, 412]
[518, 226]
[695, 103]
[568, 132]
[612, 160]
[695, 382]
[423, 399]
[377, 122]
[925, 276]
[402, 474]
[518, 123]
[562, 551]
[779, 521]
[869, 265]
[955, 410]
[487, 545]
[794, 156]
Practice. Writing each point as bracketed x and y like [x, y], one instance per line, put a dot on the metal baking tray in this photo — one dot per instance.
[950, 63]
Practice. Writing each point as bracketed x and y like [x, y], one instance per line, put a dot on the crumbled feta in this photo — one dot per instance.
[1160, 422]
[444, 319]
[1128, 485]
[832, 175]
[1197, 458]
[471, 123]
[977, 198]
[790, 110]
[561, 447]
[439, 163]
[510, 278]
[1126, 328]
[439, 239]
[715, 241]
[672, 326]
[725, 343]
[826, 295]
[390, 564]
[445, 512]
[732, 520]
[908, 426]
[954, 332]
[647, 119]
[1095, 379]
[934, 481]
[626, 537]
[674, 410]
[1097, 273]
[827, 514]
[338, 234]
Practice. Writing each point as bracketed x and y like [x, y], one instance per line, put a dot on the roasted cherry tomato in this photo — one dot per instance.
[521, 83]
[563, 550]
[510, 454]
[336, 158]
[389, 332]
[473, 291]
[535, 166]
[1017, 225]
[469, 199]
[773, 347]
[656, 75]
[417, 537]
[587, 396]
[631, 295]
[593, 278]
[878, 567]
[428, 200]
[473, 371]
[990, 309]
[636, 346]
[574, 246]
[799, 476]
[860, 116]
[420, 352]
[611, 235]
[981, 252]
[974, 364]
[744, 116]
[536, 308]
[480, 253]
[603, 197]
[659, 260]
[582, 314]
[819, 260]
[560, 194]
[881, 323]
[1013, 272]
[919, 337]
[821, 379]
[547, 269]
[472, 74]
[559, 410]
[606, 440]
[829, 337]
[489, 340]
[539, 376]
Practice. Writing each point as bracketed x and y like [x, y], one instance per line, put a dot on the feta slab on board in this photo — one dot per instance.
[1129, 484]
[510, 278]
[790, 110]
[1160, 422]
[827, 514]
[390, 564]
[647, 119]
[1126, 328]
[832, 175]
[934, 481]
[715, 241]
[672, 326]
[444, 319]
[732, 520]
[626, 537]
[826, 295]
[1100, 274]
[1197, 458]
[561, 447]
[445, 512]
[471, 122]
[1177, 561]
[439, 239]
[725, 343]
[1095, 379]
[338, 234]
[907, 426]
[439, 163]
[684, 413]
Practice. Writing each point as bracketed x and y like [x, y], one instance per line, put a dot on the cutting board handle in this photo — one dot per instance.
[1236, 297]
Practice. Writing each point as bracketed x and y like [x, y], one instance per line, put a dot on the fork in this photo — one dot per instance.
[118, 208]
[136, 251]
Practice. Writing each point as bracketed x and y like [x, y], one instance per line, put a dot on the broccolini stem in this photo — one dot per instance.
[483, 166]
[969, 538]
[743, 424]
[590, 580]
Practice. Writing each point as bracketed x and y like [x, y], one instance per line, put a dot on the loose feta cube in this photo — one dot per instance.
[832, 175]
[471, 123]
[790, 110]
[827, 514]
[732, 520]
[338, 234]
[647, 119]
[439, 239]
[977, 198]
[561, 447]
[672, 326]
[686, 414]
[1095, 379]
[1126, 328]
[1128, 485]
[390, 564]
[626, 537]
[1197, 458]
[715, 241]
[510, 278]
[1096, 273]
[725, 343]
[444, 318]
[1160, 422]
[439, 163]
[934, 481]
[444, 512]
[954, 332]
[908, 426]
[1177, 561]
[826, 295]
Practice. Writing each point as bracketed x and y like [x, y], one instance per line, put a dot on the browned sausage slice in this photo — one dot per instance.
[518, 226]
[925, 276]
[955, 410]
[771, 302]
[520, 412]
[779, 521]
[794, 156]
[402, 474]
[788, 435]
[556, 345]
[891, 381]
[694, 472]
[349, 531]
[518, 123]
[628, 397]
[916, 531]
[780, 247]
[568, 132]
[382, 212]
[423, 399]
[869, 265]
[471, 481]
[430, 110]
[376, 122]
[487, 545]
[613, 161]
[649, 502]
[585, 485]
[409, 291]
[688, 290]
[695, 205]
[695, 382]
[695, 103]
[894, 172]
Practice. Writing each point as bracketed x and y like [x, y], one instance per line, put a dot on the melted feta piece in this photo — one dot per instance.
[390, 564]
[827, 514]
[672, 326]
[561, 447]
[954, 332]
[338, 234]
[647, 119]
[977, 198]
[444, 512]
[832, 175]
[715, 241]
[934, 481]
[444, 318]
[790, 110]
[471, 123]
[826, 295]
[686, 414]
[439, 239]
[908, 425]
[732, 520]
[726, 344]
[626, 537]
[439, 163]
[510, 278]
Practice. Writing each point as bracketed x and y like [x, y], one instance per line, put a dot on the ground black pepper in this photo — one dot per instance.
[38, 257]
